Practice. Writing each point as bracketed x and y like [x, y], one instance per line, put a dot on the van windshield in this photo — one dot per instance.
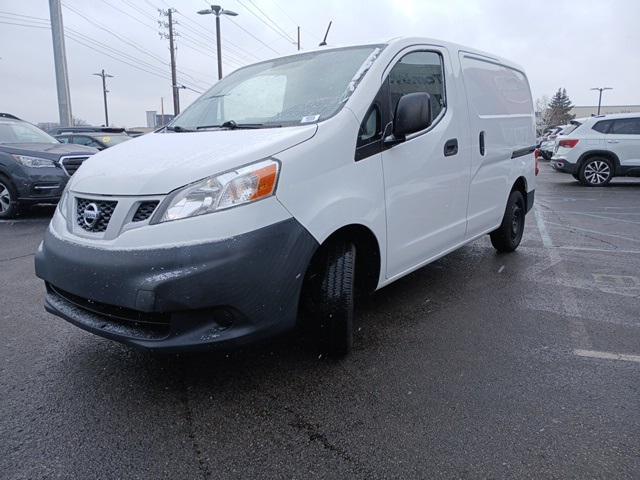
[300, 89]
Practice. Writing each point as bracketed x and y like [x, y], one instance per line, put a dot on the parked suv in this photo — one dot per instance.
[601, 148]
[34, 166]
[295, 182]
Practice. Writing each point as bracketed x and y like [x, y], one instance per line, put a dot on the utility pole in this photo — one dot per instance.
[174, 82]
[172, 50]
[217, 10]
[298, 38]
[162, 110]
[104, 94]
[600, 90]
[60, 60]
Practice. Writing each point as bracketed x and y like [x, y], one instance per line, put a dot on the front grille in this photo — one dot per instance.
[144, 211]
[103, 208]
[71, 164]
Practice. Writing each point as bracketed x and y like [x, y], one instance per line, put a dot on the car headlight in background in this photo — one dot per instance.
[34, 162]
[237, 187]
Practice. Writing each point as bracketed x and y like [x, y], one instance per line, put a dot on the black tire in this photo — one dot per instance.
[334, 298]
[8, 199]
[596, 172]
[508, 235]
[576, 176]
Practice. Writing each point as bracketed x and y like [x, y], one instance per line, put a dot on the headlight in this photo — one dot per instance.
[34, 162]
[237, 187]
[62, 203]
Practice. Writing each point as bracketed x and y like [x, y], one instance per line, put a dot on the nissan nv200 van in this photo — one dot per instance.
[294, 182]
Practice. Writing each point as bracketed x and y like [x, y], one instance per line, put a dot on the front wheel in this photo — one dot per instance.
[8, 199]
[596, 172]
[508, 235]
[334, 298]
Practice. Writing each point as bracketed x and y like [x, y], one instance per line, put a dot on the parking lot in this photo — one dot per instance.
[477, 366]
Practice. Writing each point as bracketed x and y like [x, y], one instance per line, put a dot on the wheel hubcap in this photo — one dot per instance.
[5, 198]
[516, 221]
[597, 172]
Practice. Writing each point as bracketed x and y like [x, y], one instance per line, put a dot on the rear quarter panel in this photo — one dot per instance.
[500, 105]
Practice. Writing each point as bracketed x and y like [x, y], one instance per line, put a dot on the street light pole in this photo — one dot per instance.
[104, 76]
[217, 10]
[600, 90]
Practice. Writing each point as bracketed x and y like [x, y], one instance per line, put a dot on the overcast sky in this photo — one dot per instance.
[576, 44]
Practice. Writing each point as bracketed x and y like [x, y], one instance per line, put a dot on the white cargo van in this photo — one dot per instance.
[294, 182]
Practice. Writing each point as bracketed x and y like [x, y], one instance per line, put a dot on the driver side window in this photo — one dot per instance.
[418, 72]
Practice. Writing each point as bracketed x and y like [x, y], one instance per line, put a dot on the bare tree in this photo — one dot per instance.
[542, 113]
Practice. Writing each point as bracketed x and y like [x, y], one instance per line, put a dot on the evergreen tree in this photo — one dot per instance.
[559, 108]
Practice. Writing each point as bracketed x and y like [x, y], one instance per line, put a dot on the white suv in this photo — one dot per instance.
[601, 148]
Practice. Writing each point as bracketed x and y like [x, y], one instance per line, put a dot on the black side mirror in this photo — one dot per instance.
[413, 113]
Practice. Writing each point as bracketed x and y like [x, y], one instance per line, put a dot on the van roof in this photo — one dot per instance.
[403, 42]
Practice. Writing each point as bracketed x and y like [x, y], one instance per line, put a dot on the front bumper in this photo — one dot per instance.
[40, 185]
[562, 165]
[223, 293]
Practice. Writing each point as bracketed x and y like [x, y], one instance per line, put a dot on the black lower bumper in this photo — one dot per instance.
[217, 294]
[564, 166]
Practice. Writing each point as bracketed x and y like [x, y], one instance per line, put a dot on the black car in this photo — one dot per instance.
[99, 140]
[34, 166]
[84, 129]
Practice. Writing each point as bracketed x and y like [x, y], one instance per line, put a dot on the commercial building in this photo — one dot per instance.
[581, 111]
[155, 120]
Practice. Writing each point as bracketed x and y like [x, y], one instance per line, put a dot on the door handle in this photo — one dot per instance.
[481, 142]
[451, 147]
[613, 141]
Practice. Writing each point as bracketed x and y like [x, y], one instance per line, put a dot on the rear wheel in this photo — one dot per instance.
[596, 172]
[508, 235]
[8, 199]
[333, 298]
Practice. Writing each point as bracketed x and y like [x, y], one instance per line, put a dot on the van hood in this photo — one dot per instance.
[157, 163]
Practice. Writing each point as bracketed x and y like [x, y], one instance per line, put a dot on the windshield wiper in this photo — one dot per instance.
[233, 125]
[178, 129]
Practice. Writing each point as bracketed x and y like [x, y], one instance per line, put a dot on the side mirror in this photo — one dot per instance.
[413, 113]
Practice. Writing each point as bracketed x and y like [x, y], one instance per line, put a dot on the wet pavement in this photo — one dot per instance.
[477, 366]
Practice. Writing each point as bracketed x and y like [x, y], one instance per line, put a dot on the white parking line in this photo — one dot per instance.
[568, 299]
[607, 355]
[593, 215]
[593, 249]
[573, 228]
[542, 228]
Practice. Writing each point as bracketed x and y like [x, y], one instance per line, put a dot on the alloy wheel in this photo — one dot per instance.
[5, 198]
[597, 172]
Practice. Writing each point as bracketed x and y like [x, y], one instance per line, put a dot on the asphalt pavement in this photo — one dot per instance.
[480, 365]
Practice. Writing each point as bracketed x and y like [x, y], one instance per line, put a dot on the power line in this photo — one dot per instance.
[253, 36]
[129, 15]
[275, 24]
[280, 33]
[99, 48]
[247, 31]
[128, 42]
[208, 36]
[294, 22]
[111, 32]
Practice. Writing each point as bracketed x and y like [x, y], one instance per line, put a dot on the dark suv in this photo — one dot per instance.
[34, 166]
